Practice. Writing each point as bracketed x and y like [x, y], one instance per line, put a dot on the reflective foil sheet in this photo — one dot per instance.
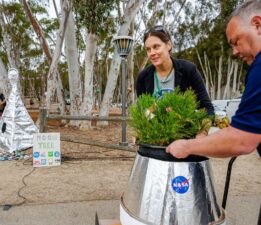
[171, 193]
[16, 126]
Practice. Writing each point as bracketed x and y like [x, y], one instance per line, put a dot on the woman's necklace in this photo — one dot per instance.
[165, 79]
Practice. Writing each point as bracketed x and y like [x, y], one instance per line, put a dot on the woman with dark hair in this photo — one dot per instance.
[167, 73]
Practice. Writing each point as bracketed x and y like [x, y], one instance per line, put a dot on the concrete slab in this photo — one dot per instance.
[240, 211]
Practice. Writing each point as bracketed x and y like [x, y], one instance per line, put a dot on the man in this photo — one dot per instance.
[244, 134]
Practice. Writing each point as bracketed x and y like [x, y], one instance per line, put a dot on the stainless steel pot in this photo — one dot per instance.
[163, 190]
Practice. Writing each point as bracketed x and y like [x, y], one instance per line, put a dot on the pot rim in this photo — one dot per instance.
[158, 152]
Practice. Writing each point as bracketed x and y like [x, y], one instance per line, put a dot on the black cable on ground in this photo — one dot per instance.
[65, 159]
[9, 206]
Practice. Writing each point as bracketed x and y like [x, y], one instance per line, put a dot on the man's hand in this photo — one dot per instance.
[204, 133]
[178, 149]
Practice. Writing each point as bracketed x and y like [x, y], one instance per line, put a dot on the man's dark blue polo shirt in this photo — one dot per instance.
[248, 115]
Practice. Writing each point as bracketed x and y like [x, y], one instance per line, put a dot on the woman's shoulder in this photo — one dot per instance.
[147, 71]
[184, 64]
[186, 68]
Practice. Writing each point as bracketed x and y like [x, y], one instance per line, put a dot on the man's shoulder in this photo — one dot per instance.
[256, 63]
[254, 72]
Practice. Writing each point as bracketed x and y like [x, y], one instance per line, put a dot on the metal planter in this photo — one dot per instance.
[163, 190]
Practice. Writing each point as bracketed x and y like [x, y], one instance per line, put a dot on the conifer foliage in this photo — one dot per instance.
[159, 121]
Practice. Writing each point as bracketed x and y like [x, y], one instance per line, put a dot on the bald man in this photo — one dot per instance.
[243, 135]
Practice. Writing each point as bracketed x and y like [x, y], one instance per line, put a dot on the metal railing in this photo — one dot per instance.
[44, 117]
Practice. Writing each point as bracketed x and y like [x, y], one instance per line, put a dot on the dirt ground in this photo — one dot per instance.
[95, 173]
[87, 172]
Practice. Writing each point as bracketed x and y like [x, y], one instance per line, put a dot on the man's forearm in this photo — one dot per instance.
[224, 143]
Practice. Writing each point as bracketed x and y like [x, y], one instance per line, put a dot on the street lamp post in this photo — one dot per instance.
[123, 44]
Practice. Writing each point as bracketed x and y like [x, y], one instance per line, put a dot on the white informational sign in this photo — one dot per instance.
[46, 149]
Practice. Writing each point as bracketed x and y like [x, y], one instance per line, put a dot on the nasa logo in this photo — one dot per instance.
[180, 184]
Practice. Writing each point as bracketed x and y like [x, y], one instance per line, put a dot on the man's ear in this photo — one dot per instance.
[256, 21]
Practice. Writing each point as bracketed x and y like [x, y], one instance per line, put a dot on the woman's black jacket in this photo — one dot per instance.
[186, 76]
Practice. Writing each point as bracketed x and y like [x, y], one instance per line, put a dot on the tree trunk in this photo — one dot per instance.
[87, 104]
[154, 15]
[53, 75]
[46, 50]
[239, 76]
[130, 74]
[131, 82]
[230, 69]
[129, 14]
[220, 72]
[110, 87]
[173, 26]
[55, 8]
[211, 79]
[37, 29]
[204, 70]
[13, 59]
[73, 69]
[234, 81]
[222, 92]
[7, 44]
[4, 84]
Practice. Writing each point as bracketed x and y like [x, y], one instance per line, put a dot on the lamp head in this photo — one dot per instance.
[123, 45]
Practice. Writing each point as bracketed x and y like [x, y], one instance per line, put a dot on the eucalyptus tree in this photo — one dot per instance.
[54, 83]
[96, 18]
[129, 14]
[225, 72]
[201, 38]
[24, 46]
[17, 44]
[11, 16]
[53, 74]
[3, 78]
[72, 56]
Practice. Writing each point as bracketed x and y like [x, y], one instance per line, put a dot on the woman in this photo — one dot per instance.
[167, 73]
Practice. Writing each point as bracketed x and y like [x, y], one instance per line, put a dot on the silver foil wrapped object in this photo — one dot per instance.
[170, 193]
[16, 126]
